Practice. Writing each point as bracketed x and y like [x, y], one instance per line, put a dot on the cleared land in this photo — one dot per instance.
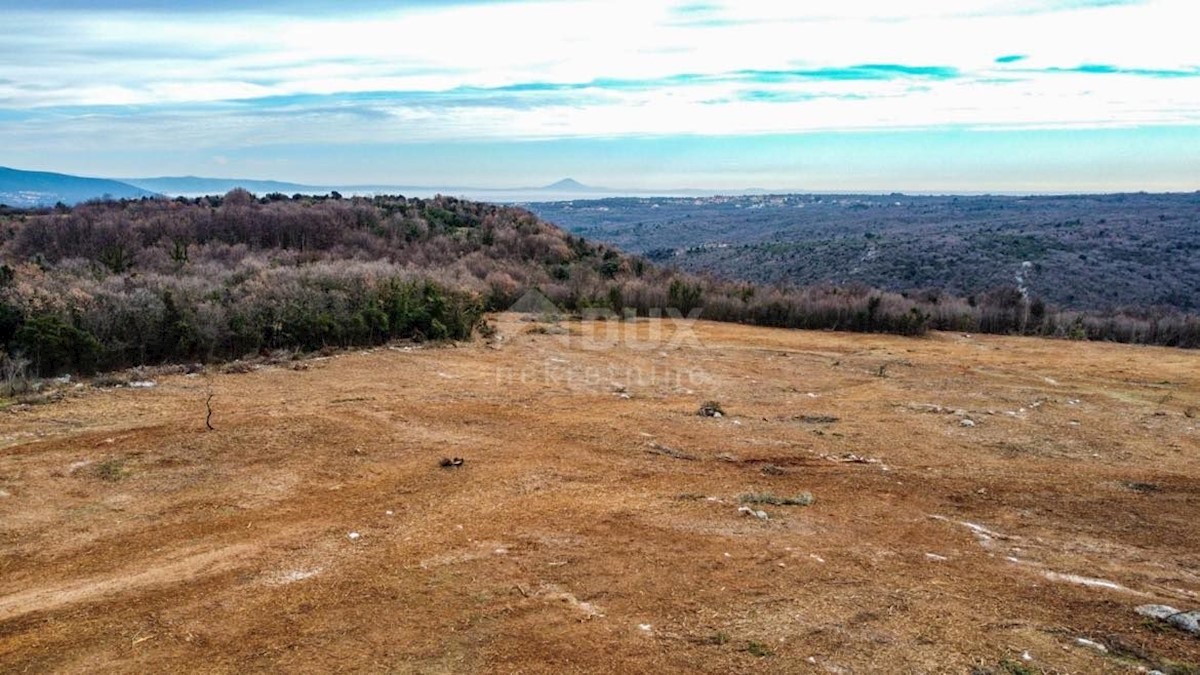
[977, 499]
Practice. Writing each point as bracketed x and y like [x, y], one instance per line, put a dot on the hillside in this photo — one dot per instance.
[594, 524]
[1088, 252]
[31, 189]
[196, 186]
[106, 286]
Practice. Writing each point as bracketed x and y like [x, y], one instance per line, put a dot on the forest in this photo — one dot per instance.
[1083, 252]
[110, 285]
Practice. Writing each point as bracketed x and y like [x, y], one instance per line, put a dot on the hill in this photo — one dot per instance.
[193, 186]
[32, 189]
[570, 185]
[1084, 252]
[111, 285]
[595, 524]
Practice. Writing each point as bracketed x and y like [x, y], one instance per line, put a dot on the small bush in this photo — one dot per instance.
[802, 499]
[758, 649]
[111, 470]
[110, 380]
[14, 375]
[1014, 668]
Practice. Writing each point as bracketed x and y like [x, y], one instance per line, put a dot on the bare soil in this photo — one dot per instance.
[981, 503]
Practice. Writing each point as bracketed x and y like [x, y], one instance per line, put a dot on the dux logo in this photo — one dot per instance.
[601, 328]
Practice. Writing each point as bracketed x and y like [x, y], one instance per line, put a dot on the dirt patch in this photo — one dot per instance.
[596, 522]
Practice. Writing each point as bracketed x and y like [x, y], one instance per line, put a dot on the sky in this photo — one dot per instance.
[870, 95]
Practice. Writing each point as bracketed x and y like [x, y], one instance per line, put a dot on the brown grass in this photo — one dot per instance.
[561, 544]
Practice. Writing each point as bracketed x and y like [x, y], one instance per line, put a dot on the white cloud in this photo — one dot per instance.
[150, 68]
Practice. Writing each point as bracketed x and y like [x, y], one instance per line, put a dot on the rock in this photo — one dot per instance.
[1156, 611]
[747, 511]
[143, 384]
[968, 423]
[354, 536]
[1091, 644]
[1185, 621]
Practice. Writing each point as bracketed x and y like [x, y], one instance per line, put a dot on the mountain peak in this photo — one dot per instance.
[567, 184]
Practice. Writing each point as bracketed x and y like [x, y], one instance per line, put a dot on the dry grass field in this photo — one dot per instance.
[981, 504]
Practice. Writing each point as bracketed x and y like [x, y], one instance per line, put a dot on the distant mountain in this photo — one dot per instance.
[196, 186]
[567, 189]
[571, 185]
[30, 189]
[27, 192]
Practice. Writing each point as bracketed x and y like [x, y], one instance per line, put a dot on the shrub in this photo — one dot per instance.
[14, 375]
[802, 499]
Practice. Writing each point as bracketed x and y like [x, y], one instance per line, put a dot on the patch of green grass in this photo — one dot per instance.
[802, 499]
[1179, 668]
[1015, 668]
[111, 470]
[1154, 625]
[718, 638]
[758, 649]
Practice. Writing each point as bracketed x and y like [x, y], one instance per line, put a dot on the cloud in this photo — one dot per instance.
[879, 71]
[153, 75]
[1106, 69]
[696, 8]
[272, 7]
